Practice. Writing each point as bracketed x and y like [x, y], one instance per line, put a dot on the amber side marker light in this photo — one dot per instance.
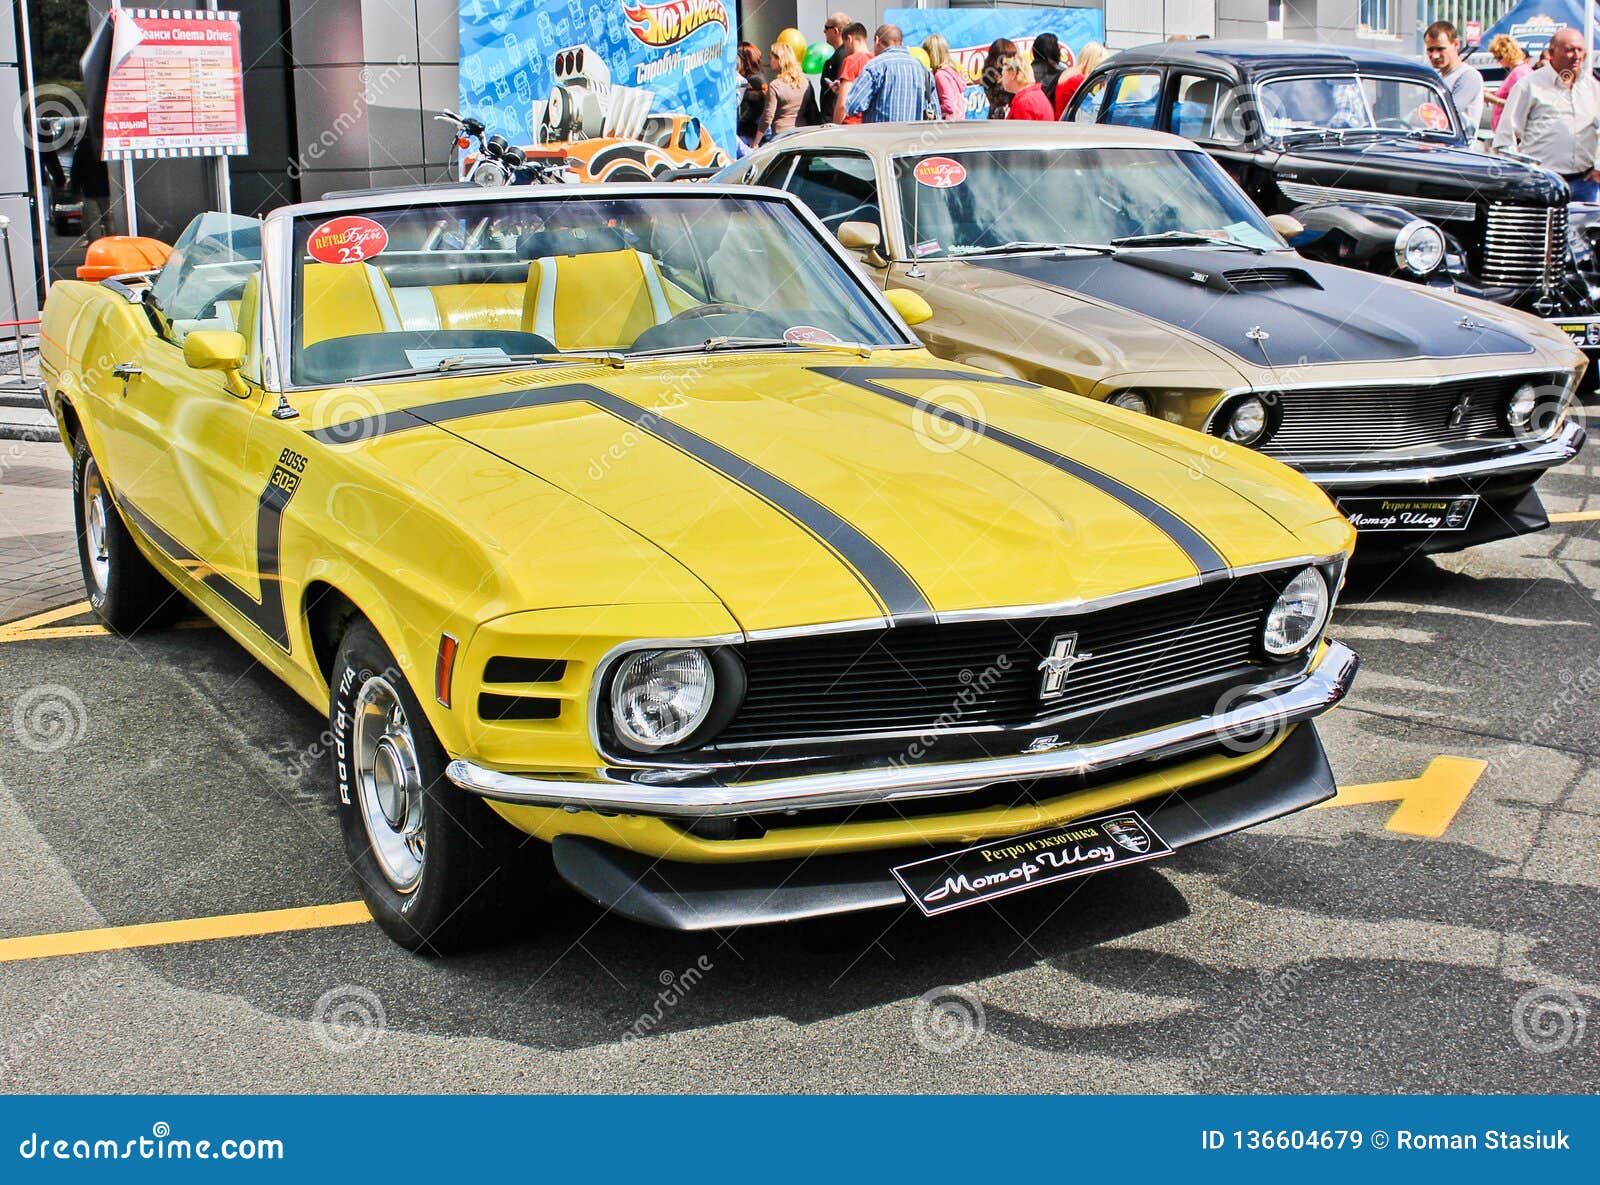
[444, 668]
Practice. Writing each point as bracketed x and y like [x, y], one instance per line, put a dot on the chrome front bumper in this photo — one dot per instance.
[1558, 450]
[616, 791]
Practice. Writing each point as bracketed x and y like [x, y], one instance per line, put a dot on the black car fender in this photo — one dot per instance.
[1361, 234]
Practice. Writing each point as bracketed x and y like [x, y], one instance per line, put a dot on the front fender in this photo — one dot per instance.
[1360, 234]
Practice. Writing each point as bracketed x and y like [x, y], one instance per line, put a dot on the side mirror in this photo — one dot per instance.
[864, 238]
[217, 349]
[911, 306]
[1287, 225]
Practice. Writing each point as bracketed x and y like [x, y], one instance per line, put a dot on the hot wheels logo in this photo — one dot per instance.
[661, 25]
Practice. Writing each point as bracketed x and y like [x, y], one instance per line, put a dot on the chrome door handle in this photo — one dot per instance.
[126, 370]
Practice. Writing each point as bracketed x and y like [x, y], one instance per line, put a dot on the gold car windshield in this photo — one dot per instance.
[965, 203]
[469, 285]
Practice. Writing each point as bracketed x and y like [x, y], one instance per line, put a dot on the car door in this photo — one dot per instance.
[1211, 111]
[183, 432]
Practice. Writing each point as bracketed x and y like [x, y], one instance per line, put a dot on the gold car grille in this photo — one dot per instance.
[1381, 421]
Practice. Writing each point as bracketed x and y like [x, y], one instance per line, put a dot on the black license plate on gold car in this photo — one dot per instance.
[1007, 866]
[1410, 514]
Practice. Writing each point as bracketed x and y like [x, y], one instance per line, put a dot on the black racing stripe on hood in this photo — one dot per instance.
[1349, 316]
[891, 584]
[1196, 546]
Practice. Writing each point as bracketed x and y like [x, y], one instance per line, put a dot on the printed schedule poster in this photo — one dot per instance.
[176, 87]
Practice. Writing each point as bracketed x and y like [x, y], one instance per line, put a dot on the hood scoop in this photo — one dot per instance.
[1199, 268]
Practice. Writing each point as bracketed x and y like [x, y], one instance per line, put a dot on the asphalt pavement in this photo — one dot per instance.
[1434, 930]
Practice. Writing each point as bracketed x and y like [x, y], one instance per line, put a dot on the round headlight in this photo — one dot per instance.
[1419, 247]
[1297, 617]
[1132, 400]
[1247, 421]
[659, 697]
[1523, 404]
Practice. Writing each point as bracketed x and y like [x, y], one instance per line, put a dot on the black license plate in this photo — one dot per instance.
[1410, 514]
[956, 879]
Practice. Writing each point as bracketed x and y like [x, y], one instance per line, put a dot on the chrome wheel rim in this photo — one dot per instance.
[389, 784]
[96, 510]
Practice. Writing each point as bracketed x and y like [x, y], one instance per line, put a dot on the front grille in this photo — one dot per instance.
[964, 676]
[1378, 422]
[1524, 246]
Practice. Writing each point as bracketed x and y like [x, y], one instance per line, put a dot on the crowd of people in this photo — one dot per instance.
[886, 81]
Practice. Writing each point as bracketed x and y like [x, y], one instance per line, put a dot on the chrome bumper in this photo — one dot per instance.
[614, 791]
[1558, 450]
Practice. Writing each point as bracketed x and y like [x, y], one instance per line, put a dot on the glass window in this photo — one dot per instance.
[1089, 105]
[839, 187]
[203, 282]
[1010, 197]
[1346, 103]
[1136, 100]
[474, 284]
[1206, 108]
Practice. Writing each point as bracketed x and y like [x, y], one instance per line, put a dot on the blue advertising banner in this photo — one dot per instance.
[971, 30]
[626, 89]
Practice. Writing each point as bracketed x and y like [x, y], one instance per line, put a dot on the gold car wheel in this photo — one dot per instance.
[389, 784]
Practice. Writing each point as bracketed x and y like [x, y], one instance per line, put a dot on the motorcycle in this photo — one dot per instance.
[497, 161]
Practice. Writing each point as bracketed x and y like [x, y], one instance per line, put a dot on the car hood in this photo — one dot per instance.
[1277, 309]
[1417, 168]
[822, 487]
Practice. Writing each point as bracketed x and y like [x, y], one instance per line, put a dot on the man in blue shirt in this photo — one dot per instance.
[893, 87]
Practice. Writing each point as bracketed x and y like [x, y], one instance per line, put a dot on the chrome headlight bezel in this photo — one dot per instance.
[1250, 408]
[1309, 585]
[1420, 237]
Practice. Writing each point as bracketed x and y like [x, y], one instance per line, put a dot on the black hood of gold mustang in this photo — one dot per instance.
[1267, 308]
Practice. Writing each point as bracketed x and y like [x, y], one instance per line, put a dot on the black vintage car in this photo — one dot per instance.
[1367, 153]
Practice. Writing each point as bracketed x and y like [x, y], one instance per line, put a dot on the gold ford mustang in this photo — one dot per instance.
[635, 521]
[1125, 265]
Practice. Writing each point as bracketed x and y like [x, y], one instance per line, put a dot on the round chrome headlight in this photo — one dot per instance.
[1297, 617]
[659, 697]
[1419, 247]
[1247, 421]
[1132, 401]
[1523, 404]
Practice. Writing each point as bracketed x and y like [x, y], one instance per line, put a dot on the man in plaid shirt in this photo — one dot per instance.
[894, 87]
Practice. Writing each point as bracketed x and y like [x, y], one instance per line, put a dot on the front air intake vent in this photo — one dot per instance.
[1270, 277]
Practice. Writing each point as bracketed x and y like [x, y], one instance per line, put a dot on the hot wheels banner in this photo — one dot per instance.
[971, 30]
[626, 88]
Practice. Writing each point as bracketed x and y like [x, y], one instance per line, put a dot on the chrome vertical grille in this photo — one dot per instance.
[1525, 246]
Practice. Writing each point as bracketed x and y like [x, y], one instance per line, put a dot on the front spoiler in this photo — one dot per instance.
[1558, 450]
[616, 790]
[683, 896]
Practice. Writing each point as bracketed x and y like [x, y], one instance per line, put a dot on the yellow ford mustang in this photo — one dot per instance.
[636, 521]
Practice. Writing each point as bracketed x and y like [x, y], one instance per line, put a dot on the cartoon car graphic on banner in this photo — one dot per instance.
[608, 131]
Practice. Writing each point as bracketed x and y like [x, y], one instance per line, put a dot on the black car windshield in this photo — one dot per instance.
[969, 202]
[467, 285]
[1349, 103]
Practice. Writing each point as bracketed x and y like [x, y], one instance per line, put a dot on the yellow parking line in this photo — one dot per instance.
[233, 925]
[59, 631]
[1575, 516]
[44, 618]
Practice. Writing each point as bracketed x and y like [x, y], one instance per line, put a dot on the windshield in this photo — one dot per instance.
[453, 286]
[1345, 102]
[966, 202]
[204, 279]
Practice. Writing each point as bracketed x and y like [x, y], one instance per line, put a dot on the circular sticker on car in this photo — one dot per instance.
[349, 239]
[807, 333]
[1433, 116]
[939, 172]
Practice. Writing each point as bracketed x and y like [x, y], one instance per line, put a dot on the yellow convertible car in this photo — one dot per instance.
[634, 520]
[1127, 266]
